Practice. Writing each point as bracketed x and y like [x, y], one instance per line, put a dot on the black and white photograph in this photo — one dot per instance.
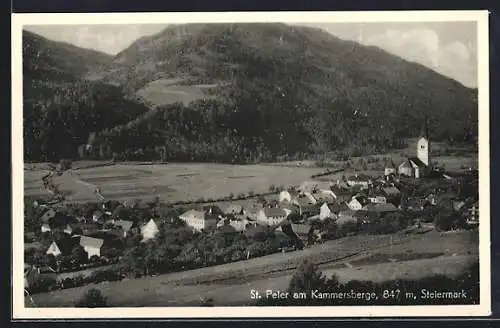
[251, 163]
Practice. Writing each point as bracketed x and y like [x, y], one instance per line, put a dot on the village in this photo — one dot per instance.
[68, 242]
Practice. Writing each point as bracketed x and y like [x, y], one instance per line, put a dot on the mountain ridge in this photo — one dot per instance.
[304, 90]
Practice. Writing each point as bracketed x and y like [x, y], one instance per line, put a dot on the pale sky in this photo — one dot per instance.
[450, 48]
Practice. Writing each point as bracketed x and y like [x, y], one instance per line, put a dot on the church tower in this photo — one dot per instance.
[423, 151]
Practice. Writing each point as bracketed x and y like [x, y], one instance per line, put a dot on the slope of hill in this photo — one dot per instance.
[245, 92]
[60, 107]
[284, 90]
[44, 59]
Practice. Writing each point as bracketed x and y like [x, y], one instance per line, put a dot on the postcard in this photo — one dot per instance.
[250, 165]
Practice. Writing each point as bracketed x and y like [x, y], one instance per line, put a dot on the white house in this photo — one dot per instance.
[91, 245]
[287, 196]
[149, 230]
[271, 215]
[358, 202]
[125, 225]
[54, 249]
[45, 228]
[68, 230]
[198, 220]
[359, 180]
[326, 211]
[377, 199]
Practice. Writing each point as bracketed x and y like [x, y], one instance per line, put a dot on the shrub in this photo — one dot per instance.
[65, 164]
[92, 299]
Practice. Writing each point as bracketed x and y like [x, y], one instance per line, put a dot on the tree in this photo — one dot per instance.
[78, 255]
[92, 299]
[306, 278]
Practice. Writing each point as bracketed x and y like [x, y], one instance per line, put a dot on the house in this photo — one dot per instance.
[346, 216]
[149, 230]
[271, 215]
[357, 202]
[359, 180]
[288, 196]
[310, 197]
[376, 197]
[199, 220]
[417, 167]
[91, 245]
[252, 211]
[328, 211]
[389, 171]
[54, 249]
[322, 197]
[125, 225]
[45, 228]
[240, 224]
[341, 194]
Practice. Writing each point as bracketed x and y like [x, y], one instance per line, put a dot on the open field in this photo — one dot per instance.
[168, 91]
[170, 182]
[230, 284]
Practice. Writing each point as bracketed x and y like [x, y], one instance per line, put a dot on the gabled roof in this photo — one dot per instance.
[347, 212]
[334, 207]
[124, 224]
[416, 161]
[362, 199]
[341, 191]
[91, 242]
[199, 215]
[359, 178]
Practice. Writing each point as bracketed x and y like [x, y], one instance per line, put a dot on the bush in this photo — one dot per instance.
[65, 164]
[92, 299]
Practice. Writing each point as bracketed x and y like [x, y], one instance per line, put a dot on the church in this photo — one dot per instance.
[417, 167]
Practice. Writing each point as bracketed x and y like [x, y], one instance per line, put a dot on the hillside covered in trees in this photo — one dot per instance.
[278, 91]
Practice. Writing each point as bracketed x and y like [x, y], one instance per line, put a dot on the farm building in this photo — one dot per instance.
[271, 216]
[198, 220]
[376, 198]
[62, 246]
[149, 230]
[91, 245]
[53, 249]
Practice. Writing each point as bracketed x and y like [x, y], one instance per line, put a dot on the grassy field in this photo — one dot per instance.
[171, 182]
[230, 284]
[167, 91]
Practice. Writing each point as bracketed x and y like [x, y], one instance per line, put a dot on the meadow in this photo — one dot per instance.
[230, 284]
[170, 182]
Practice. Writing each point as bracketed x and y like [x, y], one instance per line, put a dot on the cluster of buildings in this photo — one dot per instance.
[312, 201]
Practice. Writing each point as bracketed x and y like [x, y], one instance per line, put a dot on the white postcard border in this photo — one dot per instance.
[19, 311]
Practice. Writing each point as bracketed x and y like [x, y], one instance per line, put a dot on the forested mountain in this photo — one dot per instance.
[61, 109]
[278, 90]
